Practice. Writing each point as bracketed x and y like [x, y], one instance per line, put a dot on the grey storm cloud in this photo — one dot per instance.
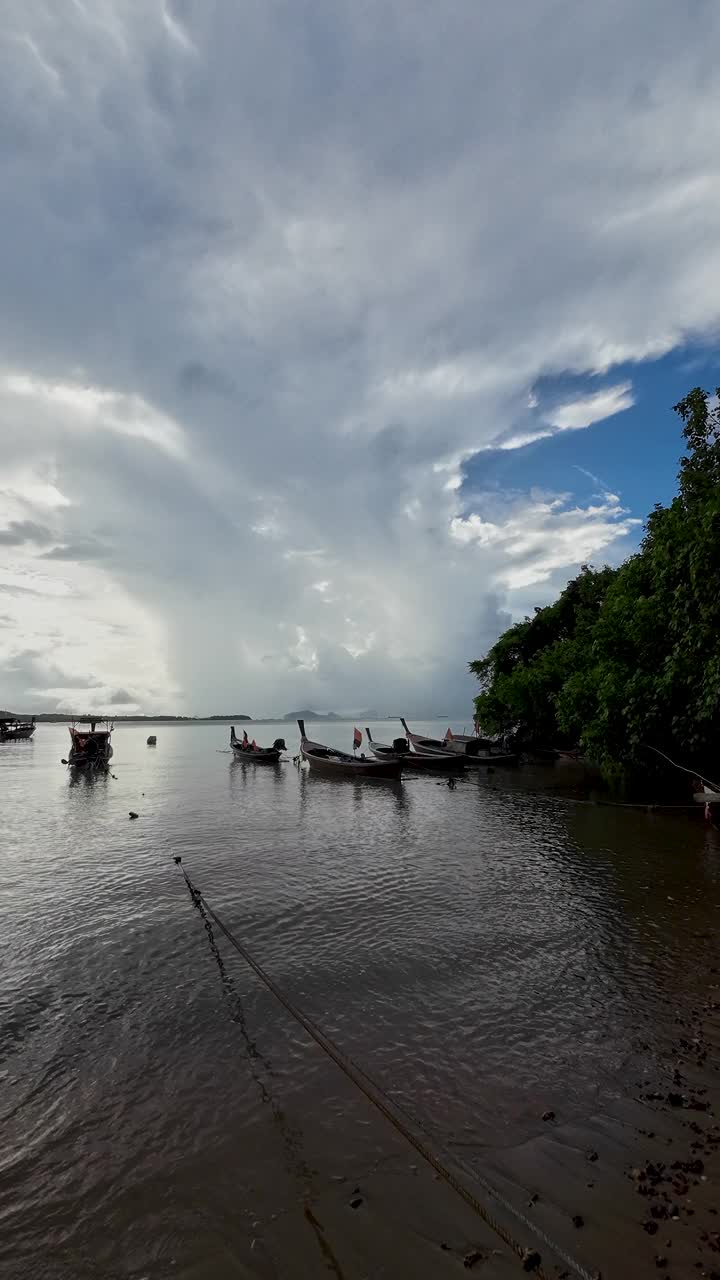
[273, 273]
[19, 532]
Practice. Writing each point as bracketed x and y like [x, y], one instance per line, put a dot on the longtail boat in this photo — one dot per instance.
[467, 743]
[400, 750]
[251, 753]
[471, 756]
[340, 764]
[90, 748]
[14, 730]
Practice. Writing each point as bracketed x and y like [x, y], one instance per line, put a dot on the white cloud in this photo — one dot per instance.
[86, 408]
[586, 410]
[532, 540]
[268, 283]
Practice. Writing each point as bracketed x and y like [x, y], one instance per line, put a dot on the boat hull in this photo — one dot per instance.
[266, 755]
[334, 767]
[501, 760]
[17, 735]
[413, 763]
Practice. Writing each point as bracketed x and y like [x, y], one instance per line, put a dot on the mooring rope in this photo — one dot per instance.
[387, 1107]
[693, 772]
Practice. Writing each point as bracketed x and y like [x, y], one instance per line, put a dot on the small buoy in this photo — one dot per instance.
[133, 815]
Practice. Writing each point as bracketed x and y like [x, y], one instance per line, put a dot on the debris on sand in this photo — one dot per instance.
[472, 1257]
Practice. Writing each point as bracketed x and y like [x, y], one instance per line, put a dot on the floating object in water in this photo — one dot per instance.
[152, 740]
[133, 815]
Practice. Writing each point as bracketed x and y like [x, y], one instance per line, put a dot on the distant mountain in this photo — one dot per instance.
[331, 715]
[311, 715]
[235, 716]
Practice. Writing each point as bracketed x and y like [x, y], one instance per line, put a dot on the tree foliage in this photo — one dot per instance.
[628, 658]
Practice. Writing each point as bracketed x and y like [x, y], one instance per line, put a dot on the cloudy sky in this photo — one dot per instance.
[334, 335]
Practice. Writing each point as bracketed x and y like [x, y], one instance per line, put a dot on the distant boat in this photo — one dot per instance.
[152, 740]
[15, 730]
[400, 750]
[90, 748]
[340, 764]
[243, 749]
[471, 757]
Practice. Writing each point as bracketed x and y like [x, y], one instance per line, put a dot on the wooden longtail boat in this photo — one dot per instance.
[250, 753]
[459, 742]
[15, 730]
[340, 764]
[90, 748]
[473, 758]
[400, 750]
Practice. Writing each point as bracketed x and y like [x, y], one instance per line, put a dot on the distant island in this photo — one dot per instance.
[54, 717]
[330, 715]
[230, 717]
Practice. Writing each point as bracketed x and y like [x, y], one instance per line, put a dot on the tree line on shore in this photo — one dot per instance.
[628, 659]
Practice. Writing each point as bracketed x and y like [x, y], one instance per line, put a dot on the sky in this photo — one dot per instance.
[335, 336]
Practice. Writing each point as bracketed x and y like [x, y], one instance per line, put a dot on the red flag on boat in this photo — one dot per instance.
[449, 735]
[253, 745]
[245, 737]
[357, 739]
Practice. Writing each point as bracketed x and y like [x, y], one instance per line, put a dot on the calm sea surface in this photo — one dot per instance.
[486, 953]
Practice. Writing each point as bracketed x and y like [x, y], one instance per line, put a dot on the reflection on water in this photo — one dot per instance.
[480, 950]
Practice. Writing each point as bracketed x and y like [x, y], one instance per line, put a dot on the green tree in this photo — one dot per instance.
[629, 658]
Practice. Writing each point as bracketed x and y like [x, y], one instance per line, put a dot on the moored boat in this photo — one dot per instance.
[90, 748]
[472, 755]
[340, 764]
[400, 750]
[15, 730]
[152, 740]
[707, 795]
[459, 742]
[250, 752]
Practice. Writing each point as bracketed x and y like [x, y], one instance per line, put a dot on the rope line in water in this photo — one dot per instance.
[291, 1137]
[384, 1104]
